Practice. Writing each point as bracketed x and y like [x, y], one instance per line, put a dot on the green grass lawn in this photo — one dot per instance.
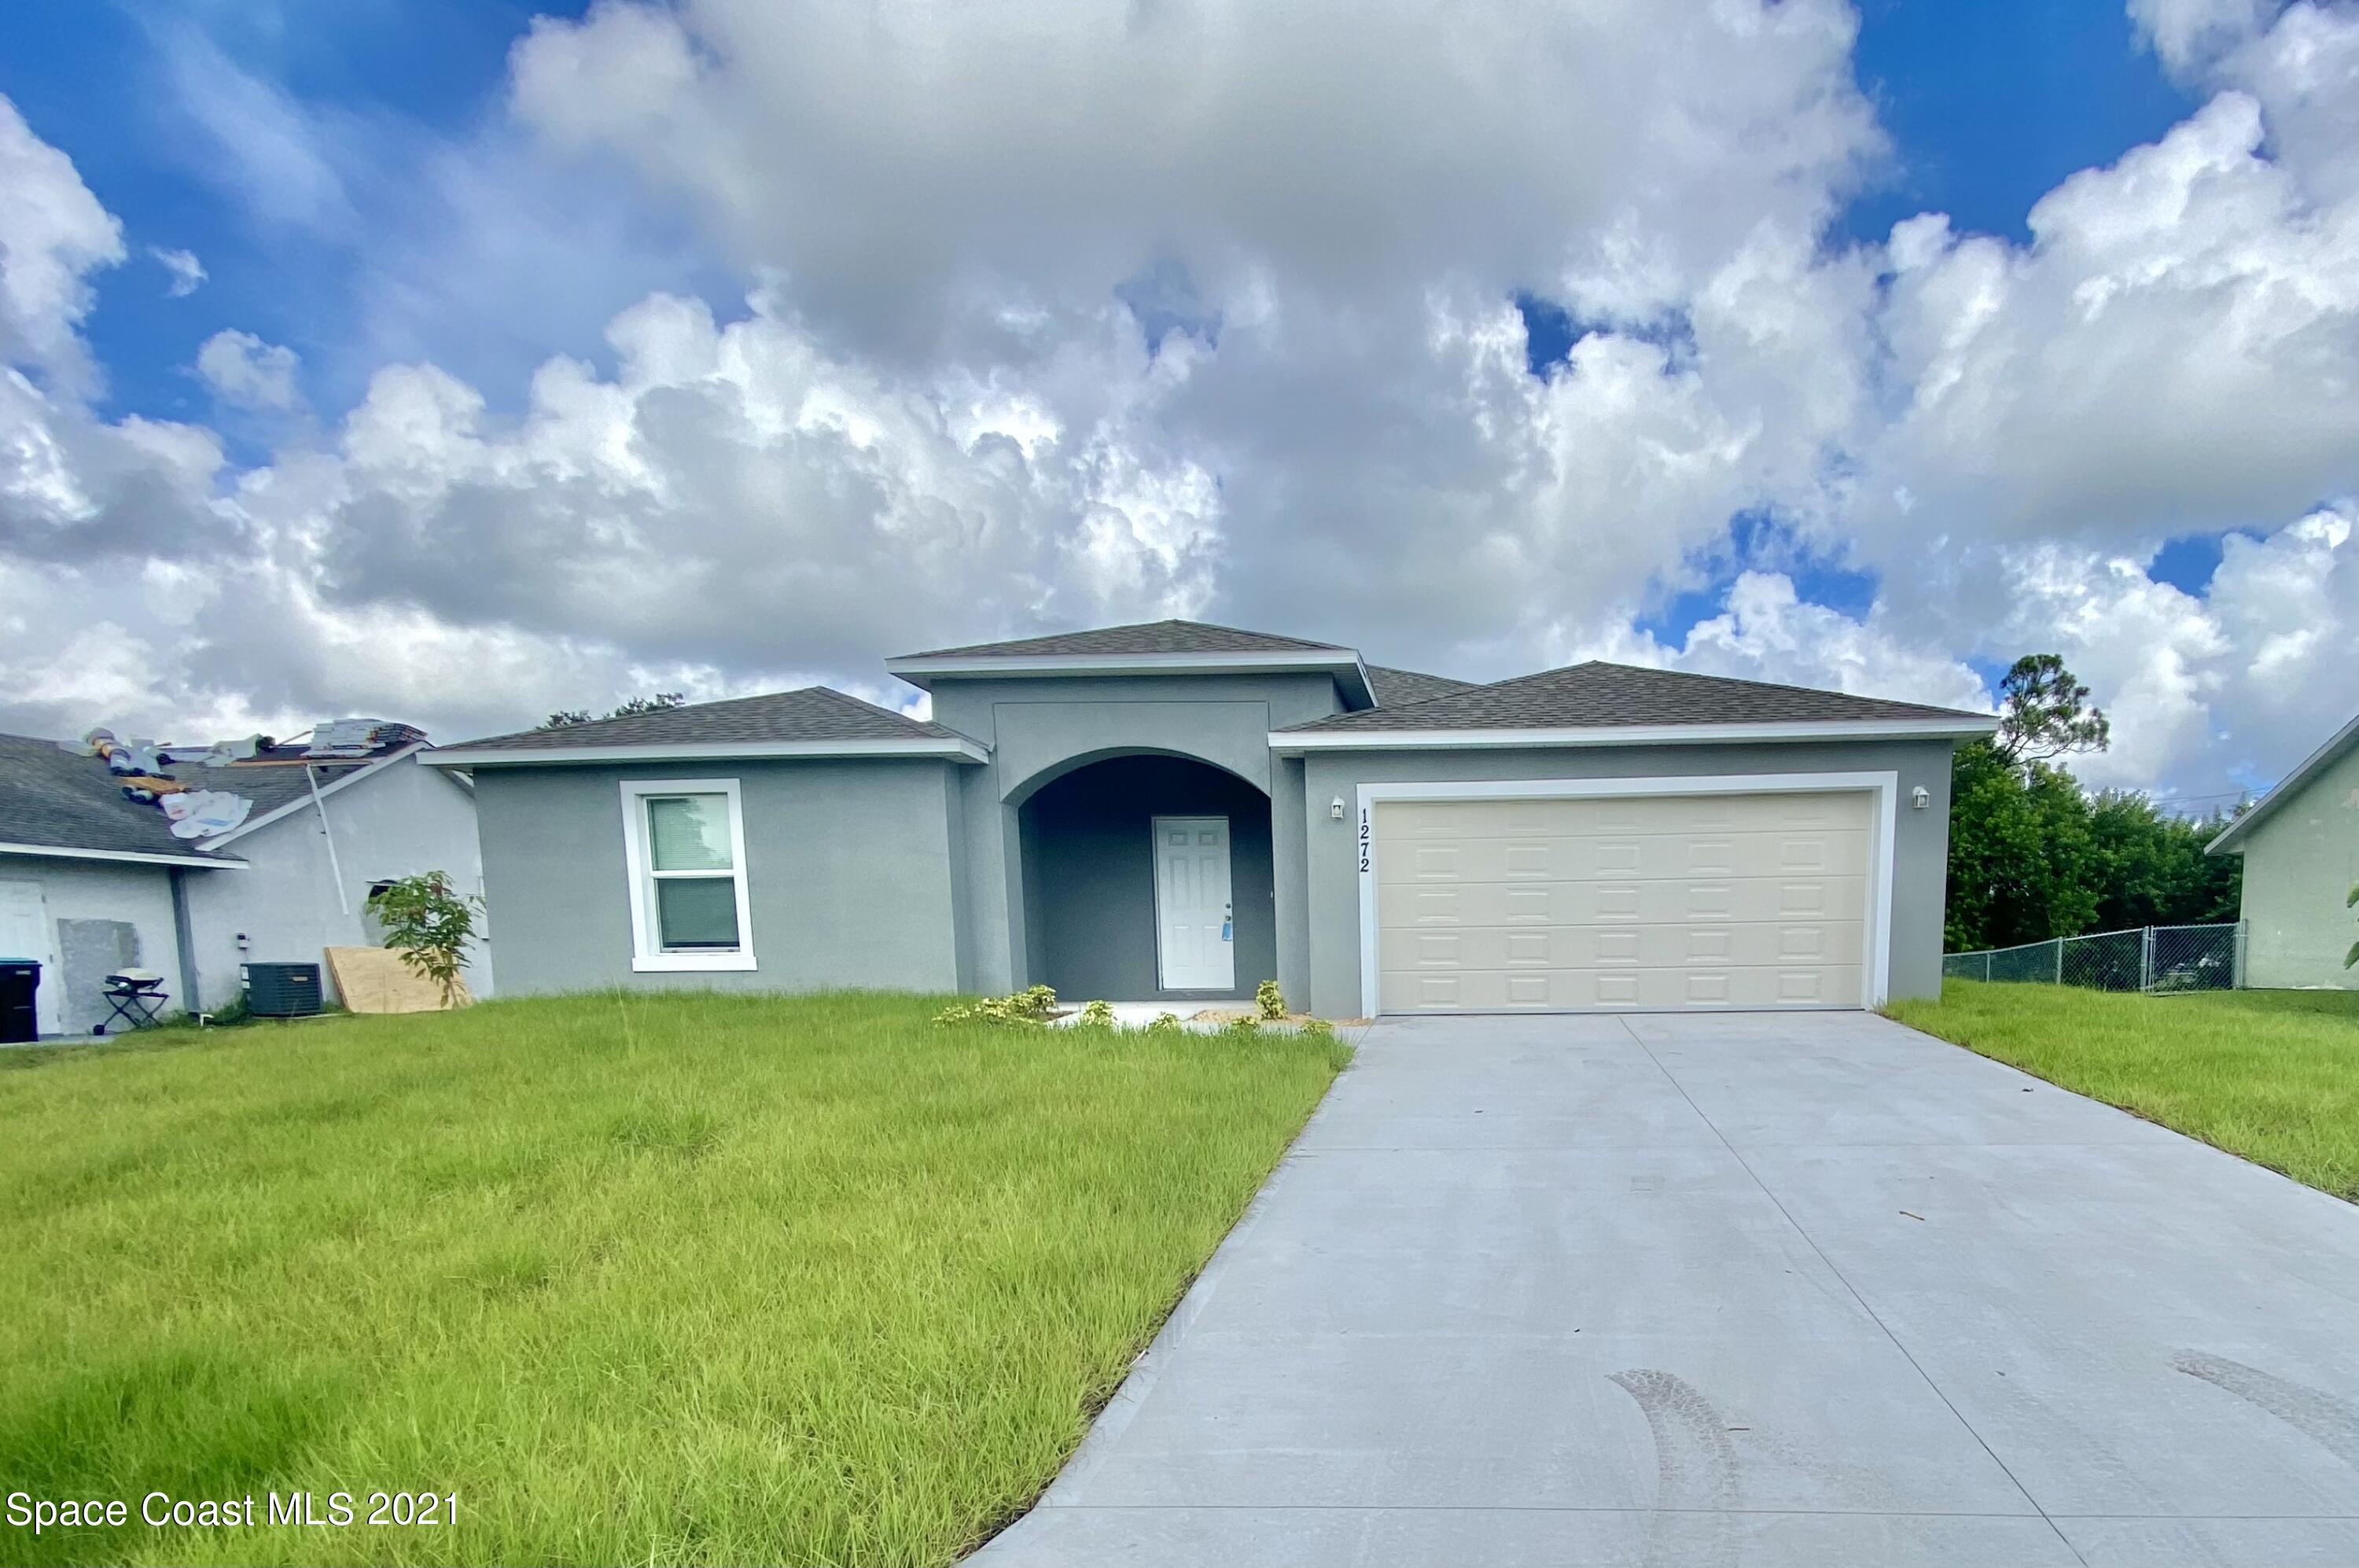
[682, 1278]
[2272, 1075]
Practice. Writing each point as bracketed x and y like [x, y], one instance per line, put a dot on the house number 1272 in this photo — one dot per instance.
[1363, 841]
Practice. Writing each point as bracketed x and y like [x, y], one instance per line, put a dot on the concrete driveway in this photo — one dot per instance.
[1799, 1289]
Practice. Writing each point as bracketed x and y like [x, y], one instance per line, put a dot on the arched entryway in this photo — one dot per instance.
[1122, 862]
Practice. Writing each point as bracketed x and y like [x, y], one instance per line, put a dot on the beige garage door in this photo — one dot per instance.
[1641, 902]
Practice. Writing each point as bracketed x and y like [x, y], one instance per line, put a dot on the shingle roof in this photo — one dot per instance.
[812, 713]
[1146, 637]
[1597, 694]
[270, 785]
[1399, 687]
[54, 798]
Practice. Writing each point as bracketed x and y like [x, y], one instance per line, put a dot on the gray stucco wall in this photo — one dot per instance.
[403, 818]
[1038, 727]
[1921, 839]
[1091, 864]
[852, 868]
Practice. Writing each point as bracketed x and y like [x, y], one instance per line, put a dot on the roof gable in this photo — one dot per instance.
[1145, 638]
[2231, 838]
[1617, 696]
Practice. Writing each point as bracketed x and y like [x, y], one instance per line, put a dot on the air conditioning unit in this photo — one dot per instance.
[281, 990]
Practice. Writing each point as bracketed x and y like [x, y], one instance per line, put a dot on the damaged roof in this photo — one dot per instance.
[56, 800]
[813, 715]
[1616, 696]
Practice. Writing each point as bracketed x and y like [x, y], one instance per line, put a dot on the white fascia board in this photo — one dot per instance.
[960, 750]
[1296, 742]
[2231, 838]
[303, 801]
[122, 856]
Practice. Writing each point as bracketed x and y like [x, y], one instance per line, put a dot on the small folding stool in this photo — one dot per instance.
[137, 995]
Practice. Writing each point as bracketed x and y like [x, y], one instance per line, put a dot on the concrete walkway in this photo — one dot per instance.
[1800, 1288]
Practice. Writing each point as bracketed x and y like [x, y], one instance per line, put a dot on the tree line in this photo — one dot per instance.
[2033, 855]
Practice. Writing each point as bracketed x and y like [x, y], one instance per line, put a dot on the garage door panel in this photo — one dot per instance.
[1613, 902]
[1634, 946]
[1651, 856]
[1493, 990]
[1645, 902]
[1451, 821]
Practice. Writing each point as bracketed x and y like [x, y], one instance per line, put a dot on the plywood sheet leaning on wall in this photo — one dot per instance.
[376, 980]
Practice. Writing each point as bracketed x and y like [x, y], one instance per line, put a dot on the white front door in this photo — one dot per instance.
[1195, 928]
[25, 934]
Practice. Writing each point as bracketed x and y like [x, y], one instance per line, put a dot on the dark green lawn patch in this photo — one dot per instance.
[2271, 1075]
[669, 1279]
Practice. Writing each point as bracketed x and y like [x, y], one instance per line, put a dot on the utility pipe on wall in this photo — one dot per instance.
[335, 867]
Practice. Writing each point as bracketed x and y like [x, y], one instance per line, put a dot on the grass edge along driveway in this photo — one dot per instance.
[2272, 1077]
[660, 1277]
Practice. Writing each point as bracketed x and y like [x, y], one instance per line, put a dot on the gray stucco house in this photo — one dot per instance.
[2300, 844]
[1178, 811]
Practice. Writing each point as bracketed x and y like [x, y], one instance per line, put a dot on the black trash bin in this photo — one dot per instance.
[20, 980]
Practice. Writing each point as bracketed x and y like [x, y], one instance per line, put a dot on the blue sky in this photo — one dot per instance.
[384, 184]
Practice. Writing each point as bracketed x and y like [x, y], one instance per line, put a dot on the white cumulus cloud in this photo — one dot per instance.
[248, 372]
[187, 273]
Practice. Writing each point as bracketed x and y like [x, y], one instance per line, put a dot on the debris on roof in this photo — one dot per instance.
[347, 739]
[161, 775]
[138, 767]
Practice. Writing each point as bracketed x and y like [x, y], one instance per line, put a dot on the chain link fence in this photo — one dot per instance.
[2150, 958]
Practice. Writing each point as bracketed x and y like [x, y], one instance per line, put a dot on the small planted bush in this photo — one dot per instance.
[1029, 1006]
[1268, 1000]
[1097, 1015]
[430, 923]
[1165, 1023]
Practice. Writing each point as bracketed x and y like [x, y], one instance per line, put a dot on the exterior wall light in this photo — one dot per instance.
[1335, 808]
[1920, 798]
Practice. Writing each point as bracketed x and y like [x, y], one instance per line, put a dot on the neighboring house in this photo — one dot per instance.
[2300, 844]
[91, 882]
[1177, 812]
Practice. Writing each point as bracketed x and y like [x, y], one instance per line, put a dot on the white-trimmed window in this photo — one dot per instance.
[684, 841]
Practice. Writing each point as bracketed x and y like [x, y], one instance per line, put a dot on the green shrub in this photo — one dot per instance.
[1030, 1005]
[1318, 1029]
[1165, 1023]
[430, 923]
[1268, 1000]
[1097, 1015]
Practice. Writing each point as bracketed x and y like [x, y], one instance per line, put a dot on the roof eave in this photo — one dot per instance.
[955, 749]
[125, 856]
[1297, 742]
[2230, 840]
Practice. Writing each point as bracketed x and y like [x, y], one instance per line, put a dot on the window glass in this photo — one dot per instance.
[694, 912]
[688, 832]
